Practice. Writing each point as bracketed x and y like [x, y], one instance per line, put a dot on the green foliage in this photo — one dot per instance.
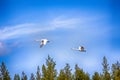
[105, 65]
[116, 71]
[106, 74]
[96, 76]
[80, 74]
[65, 74]
[16, 77]
[44, 72]
[4, 74]
[50, 73]
[38, 75]
[117, 75]
[67, 71]
[61, 75]
[24, 76]
[32, 77]
[87, 76]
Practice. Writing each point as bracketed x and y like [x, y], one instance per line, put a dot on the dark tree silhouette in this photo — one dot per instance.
[44, 72]
[32, 77]
[24, 76]
[4, 74]
[16, 77]
[116, 71]
[38, 75]
[106, 74]
[50, 73]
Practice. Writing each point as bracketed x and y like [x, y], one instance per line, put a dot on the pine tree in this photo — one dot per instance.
[4, 72]
[24, 76]
[44, 72]
[96, 76]
[16, 77]
[38, 75]
[116, 71]
[87, 76]
[80, 74]
[61, 76]
[106, 74]
[32, 77]
[67, 71]
[49, 72]
[117, 75]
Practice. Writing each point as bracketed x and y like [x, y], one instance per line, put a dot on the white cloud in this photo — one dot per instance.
[16, 31]
[62, 22]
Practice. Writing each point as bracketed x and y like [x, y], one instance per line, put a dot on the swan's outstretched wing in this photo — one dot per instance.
[81, 49]
[75, 49]
[37, 40]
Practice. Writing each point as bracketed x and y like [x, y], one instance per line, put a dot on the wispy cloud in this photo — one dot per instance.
[63, 22]
[15, 31]
[9, 32]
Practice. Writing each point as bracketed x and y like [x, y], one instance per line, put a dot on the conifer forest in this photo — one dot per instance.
[48, 71]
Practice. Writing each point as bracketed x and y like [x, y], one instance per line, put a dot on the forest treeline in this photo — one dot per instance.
[49, 72]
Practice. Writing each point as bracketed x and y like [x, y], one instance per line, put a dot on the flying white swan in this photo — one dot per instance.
[80, 48]
[43, 42]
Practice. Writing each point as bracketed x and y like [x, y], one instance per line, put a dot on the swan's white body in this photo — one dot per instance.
[80, 48]
[43, 42]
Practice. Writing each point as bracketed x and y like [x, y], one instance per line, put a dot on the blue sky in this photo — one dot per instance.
[67, 24]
